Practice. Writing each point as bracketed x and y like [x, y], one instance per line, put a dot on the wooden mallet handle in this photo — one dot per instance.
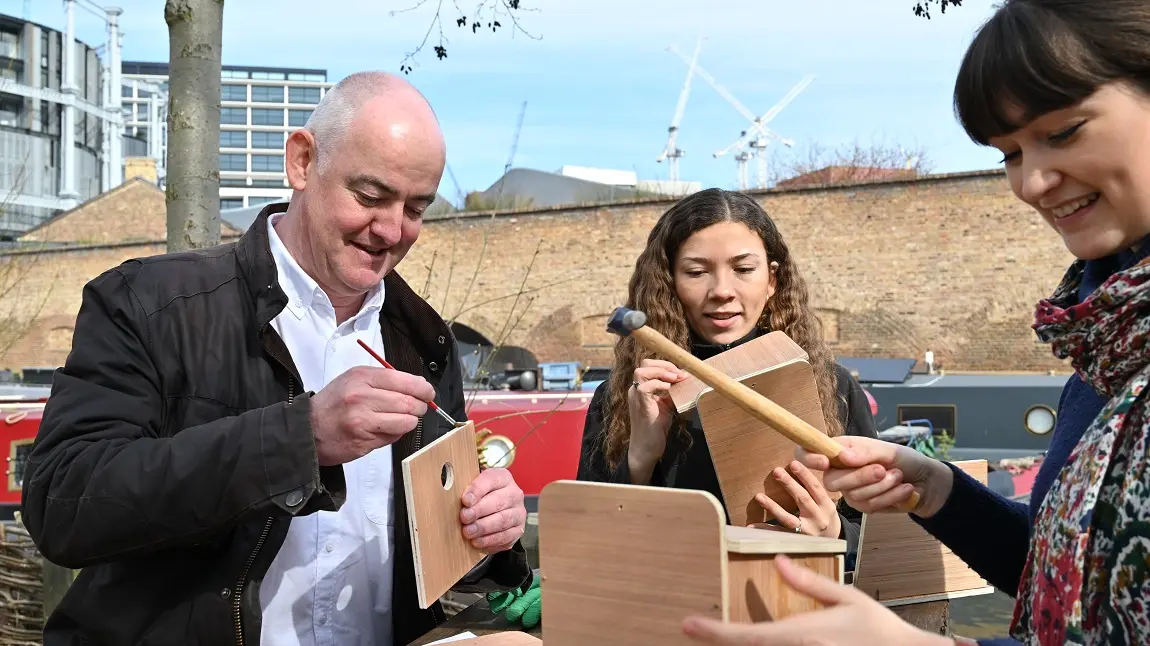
[630, 322]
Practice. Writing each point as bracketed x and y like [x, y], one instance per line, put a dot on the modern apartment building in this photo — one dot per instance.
[258, 107]
[55, 136]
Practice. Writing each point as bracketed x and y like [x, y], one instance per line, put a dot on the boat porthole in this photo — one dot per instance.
[1040, 419]
[498, 451]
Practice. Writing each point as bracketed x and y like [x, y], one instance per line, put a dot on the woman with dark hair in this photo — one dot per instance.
[715, 273]
[1062, 88]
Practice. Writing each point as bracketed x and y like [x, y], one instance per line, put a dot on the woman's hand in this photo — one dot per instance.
[879, 475]
[850, 619]
[651, 409]
[817, 513]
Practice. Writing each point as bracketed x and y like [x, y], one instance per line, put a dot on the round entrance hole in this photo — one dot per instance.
[447, 476]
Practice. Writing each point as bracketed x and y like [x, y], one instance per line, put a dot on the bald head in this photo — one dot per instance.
[377, 98]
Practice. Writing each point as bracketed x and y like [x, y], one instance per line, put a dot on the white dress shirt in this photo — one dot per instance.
[331, 582]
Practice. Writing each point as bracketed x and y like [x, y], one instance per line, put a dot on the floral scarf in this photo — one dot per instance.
[1087, 577]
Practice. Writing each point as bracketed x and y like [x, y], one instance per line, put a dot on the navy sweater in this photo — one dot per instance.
[992, 533]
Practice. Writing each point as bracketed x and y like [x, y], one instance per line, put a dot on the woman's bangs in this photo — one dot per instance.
[1020, 66]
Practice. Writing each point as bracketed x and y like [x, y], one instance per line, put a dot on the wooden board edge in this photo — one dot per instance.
[945, 596]
[413, 533]
[694, 403]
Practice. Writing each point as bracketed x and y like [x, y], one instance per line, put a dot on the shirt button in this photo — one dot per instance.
[329, 547]
[434, 366]
[294, 498]
[442, 339]
[225, 593]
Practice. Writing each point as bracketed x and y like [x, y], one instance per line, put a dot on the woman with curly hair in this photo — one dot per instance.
[1062, 89]
[715, 273]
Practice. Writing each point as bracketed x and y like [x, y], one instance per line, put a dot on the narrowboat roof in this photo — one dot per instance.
[982, 380]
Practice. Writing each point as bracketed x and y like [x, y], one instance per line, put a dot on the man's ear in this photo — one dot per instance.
[300, 158]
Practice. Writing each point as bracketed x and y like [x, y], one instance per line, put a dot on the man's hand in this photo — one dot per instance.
[851, 619]
[366, 408]
[493, 514]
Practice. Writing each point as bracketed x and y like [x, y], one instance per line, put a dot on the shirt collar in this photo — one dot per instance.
[301, 289]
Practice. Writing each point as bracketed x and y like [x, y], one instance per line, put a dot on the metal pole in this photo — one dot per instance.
[116, 161]
[68, 127]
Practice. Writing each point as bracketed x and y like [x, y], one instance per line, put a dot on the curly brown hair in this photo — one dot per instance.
[652, 290]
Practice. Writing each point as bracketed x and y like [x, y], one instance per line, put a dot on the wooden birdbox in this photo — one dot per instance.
[743, 448]
[625, 564]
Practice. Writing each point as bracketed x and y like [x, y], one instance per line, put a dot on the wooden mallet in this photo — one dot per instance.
[629, 322]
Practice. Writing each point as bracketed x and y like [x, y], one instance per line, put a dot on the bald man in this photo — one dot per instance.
[218, 453]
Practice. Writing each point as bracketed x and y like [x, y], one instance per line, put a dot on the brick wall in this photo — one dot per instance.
[950, 263]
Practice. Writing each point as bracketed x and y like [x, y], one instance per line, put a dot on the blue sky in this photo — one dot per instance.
[599, 84]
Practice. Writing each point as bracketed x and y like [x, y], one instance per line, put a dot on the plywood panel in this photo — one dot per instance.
[898, 559]
[434, 478]
[758, 593]
[745, 450]
[755, 356]
[751, 540]
[623, 565]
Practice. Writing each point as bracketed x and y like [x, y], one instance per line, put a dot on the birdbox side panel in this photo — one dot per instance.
[745, 450]
[623, 565]
[755, 356]
[434, 479]
[758, 592]
[898, 559]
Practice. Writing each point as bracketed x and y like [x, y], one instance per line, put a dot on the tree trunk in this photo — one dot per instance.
[193, 185]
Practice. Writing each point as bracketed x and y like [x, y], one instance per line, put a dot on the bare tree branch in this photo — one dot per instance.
[922, 9]
[852, 162]
[488, 14]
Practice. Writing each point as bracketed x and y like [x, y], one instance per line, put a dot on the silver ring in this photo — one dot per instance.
[634, 384]
[799, 528]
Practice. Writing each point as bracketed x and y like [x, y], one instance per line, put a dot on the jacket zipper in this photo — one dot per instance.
[419, 424]
[237, 596]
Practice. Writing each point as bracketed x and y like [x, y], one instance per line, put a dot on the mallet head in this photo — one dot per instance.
[624, 320]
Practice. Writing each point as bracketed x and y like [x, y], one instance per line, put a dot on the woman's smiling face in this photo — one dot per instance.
[1086, 170]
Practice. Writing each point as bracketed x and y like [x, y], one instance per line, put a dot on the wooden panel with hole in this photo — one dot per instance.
[434, 479]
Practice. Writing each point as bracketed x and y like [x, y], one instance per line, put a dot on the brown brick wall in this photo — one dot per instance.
[953, 264]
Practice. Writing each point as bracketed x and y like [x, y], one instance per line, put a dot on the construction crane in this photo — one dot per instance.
[515, 139]
[670, 150]
[757, 135]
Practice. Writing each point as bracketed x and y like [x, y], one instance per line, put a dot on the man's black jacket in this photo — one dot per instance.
[176, 447]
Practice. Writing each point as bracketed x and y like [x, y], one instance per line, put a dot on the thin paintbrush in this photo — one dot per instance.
[387, 365]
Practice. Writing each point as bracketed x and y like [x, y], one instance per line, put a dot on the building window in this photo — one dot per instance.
[233, 139]
[126, 90]
[234, 116]
[233, 74]
[267, 183]
[267, 94]
[303, 95]
[266, 117]
[232, 161]
[267, 163]
[233, 92]
[233, 183]
[231, 203]
[268, 76]
[262, 199]
[297, 118]
[274, 140]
